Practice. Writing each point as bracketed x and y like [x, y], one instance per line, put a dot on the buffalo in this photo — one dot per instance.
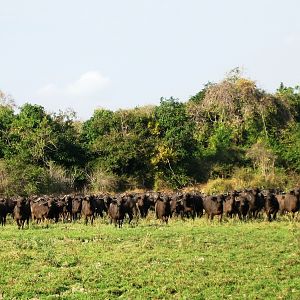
[229, 204]
[22, 212]
[116, 211]
[256, 201]
[129, 206]
[76, 207]
[213, 206]
[271, 206]
[99, 206]
[39, 210]
[242, 206]
[143, 204]
[88, 209]
[289, 202]
[163, 208]
[3, 212]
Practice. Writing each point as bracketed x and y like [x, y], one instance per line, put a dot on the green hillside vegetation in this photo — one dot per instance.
[231, 134]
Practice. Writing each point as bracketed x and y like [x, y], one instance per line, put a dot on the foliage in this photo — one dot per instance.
[262, 157]
[102, 182]
[24, 178]
[218, 185]
[244, 178]
[289, 147]
[32, 143]
[4, 178]
[229, 125]
[291, 96]
[31, 136]
[174, 143]
[120, 143]
[6, 120]
[58, 180]
[238, 103]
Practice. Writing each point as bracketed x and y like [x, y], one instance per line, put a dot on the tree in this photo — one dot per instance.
[120, 143]
[289, 147]
[43, 153]
[174, 144]
[291, 96]
[31, 136]
[240, 105]
[6, 120]
[262, 157]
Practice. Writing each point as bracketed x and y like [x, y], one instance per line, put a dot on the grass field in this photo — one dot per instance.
[182, 260]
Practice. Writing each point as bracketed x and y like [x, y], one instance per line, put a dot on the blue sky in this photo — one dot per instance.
[126, 53]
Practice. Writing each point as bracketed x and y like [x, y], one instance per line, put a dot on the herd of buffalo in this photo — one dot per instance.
[246, 204]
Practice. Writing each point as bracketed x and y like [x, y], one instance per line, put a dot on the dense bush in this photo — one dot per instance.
[231, 134]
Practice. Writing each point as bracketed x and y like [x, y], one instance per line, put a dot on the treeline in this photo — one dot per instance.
[231, 134]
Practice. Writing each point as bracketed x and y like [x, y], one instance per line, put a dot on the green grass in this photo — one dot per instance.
[183, 260]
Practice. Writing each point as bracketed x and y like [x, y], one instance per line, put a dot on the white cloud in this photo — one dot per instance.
[48, 89]
[83, 95]
[88, 84]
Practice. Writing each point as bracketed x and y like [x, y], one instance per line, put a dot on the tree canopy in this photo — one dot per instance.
[225, 126]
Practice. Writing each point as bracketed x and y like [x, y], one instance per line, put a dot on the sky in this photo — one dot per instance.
[89, 54]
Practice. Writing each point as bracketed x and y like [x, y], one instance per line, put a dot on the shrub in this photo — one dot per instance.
[219, 185]
[57, 180]
[100, 181]
[4, 178]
